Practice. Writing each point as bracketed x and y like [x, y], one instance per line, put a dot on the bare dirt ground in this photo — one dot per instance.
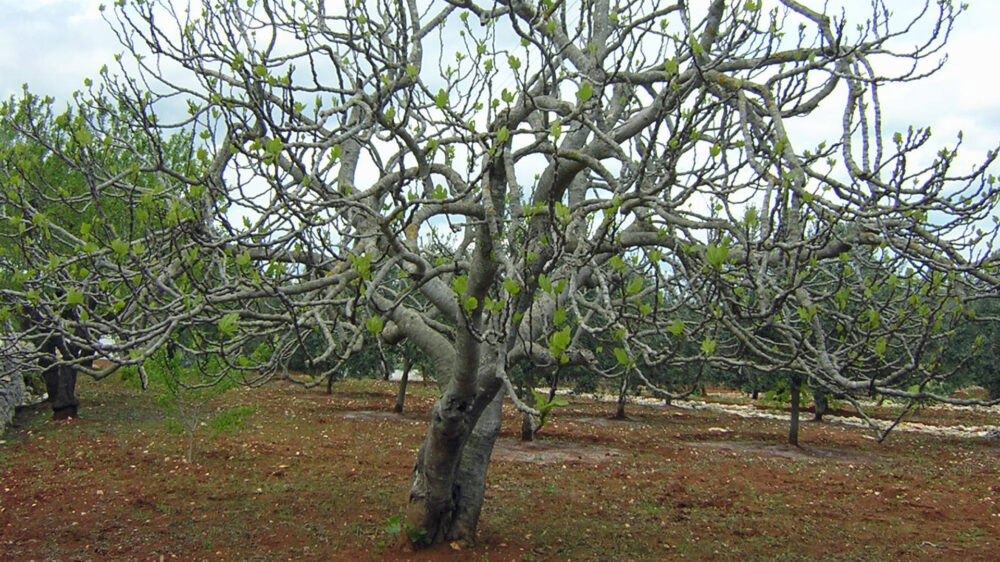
[317, 477]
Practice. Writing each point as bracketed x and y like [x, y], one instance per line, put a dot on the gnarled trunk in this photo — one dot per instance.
[449, 479]
[60, 383]
[60, 380]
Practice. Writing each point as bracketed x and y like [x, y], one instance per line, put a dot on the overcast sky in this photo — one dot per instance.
[54, 44]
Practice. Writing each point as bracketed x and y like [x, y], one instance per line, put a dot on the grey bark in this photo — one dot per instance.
[527, 428]
[622, 395]
[793, 425]
[449, 478]
[403, 381]
[822, 404]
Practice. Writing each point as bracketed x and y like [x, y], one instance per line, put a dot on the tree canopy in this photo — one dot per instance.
[621, 186]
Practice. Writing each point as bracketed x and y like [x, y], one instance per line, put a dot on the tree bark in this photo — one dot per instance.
[60, 380]
[822, 404]
[527, 429]
[622, 394]
[403, 381]
[449, 478]
[793, 425]
[61, 385]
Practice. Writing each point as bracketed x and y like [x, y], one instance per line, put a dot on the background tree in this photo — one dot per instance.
[494, 182]
[56, 216]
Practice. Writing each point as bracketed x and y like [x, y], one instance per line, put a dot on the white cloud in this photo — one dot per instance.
[52, 45]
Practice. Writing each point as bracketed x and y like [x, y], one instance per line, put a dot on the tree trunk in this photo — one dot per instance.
[756, 393]
[60, 381]
[822, 404]
[403, 381]
[793, 425]
[527, 428]
[449, 478]
[554, 386]
[622, 394]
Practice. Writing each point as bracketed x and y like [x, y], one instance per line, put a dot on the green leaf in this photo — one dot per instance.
[677, 328]
[119, 246]
[460, 284]
[470, 304]
[273, 146]
[880, 346]
[559, 316]
[362, 265]
[556, 129]
[545, 283]
[585, 92]
[842, 296]
[716, 255]
[513, 62]
[502, 135]
[228, 323]
[622, 356]
[82, 136]
[335, 152]
[634, 286]
[562, 212]
[511, 286]
[243, 259]
[441, 99]
[874, 319]
[671, 67]
[708, 346]
[375, 325]
[559, 341]
[74, 298]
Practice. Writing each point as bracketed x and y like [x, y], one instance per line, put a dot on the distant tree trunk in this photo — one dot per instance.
[60, 380]
[793, 425]
[755, 394]
[403, 381]
[622, 394]
[527, 428]
[822, 404]
[554, 385]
